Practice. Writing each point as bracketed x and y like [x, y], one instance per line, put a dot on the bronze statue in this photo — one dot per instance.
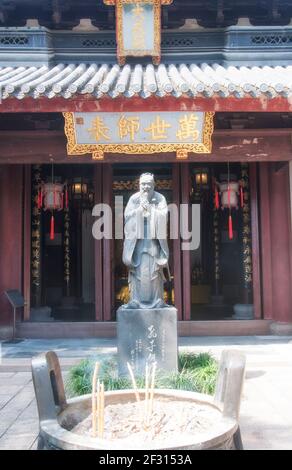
[145, 250]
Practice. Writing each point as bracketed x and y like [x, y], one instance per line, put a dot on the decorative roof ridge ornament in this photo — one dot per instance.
[138, 28]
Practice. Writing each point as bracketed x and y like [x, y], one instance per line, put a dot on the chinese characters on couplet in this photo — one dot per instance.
[185, 128]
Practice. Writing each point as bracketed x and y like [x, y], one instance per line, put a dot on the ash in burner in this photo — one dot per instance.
[172, 422]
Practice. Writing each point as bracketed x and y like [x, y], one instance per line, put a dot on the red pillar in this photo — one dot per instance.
[11, 190]
[27, 241]
[265, 241]
[280, 243]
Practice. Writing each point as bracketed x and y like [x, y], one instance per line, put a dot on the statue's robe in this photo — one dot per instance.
[146, 251]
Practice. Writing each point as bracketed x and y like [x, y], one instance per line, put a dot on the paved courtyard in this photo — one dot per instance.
[266, 411]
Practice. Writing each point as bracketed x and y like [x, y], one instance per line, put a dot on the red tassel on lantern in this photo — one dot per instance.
[52, 231]
[230, 229]
[241, 196]
[216, 198]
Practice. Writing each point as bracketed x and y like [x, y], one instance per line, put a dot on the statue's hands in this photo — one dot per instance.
[161, 262]
[144, 201]
[146, 207]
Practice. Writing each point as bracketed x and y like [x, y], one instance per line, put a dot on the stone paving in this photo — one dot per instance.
[266, 411]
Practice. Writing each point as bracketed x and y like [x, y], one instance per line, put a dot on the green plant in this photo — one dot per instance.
[187, 360]
[197, 372]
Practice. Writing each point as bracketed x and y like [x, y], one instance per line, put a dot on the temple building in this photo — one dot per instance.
[94, 93]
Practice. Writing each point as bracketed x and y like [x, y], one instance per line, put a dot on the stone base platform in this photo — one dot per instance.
[146, 336]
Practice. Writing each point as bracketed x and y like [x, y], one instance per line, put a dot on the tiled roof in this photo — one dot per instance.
[144, 81]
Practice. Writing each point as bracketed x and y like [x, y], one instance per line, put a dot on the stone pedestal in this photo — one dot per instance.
[147, 336]
[243, 312]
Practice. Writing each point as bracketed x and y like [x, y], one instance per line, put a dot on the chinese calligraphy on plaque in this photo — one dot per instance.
[138, 132]
[138, 28]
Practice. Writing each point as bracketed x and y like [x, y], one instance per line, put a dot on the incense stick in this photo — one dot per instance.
[98, 406]
[93, 398]
[133, 382]
[152, 388]
[146, 392]
[101, 411]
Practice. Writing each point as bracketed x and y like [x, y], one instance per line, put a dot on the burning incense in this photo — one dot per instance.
[93, 398]
[133, 382]
[146, 421]
[101, 410]
[152, 388]
[102, 402]
[98, 406]
[146, 390]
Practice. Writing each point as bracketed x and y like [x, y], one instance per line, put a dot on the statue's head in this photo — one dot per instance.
[147, 184]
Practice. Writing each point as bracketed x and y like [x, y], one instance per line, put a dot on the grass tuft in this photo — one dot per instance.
[197, 372]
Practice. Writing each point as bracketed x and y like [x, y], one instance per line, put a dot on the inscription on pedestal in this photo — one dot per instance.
[147, 336]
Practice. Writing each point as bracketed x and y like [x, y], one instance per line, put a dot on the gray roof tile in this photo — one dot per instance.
[145, 81]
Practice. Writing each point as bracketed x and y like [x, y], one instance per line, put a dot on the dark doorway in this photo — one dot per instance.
[221, 266]
[65, 287]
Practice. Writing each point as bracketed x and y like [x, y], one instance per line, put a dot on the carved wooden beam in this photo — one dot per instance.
[253, 145]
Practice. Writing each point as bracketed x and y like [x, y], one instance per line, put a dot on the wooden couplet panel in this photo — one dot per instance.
[98, 249]
[257, 301]
[186, 258]
[11, 190]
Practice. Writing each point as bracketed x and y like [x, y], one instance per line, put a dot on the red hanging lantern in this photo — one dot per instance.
[51, 197]
[229, 194]
[53, 193]
[53, 201]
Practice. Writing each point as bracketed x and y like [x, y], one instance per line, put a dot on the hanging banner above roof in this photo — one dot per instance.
[138, 133]
[138, 28]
